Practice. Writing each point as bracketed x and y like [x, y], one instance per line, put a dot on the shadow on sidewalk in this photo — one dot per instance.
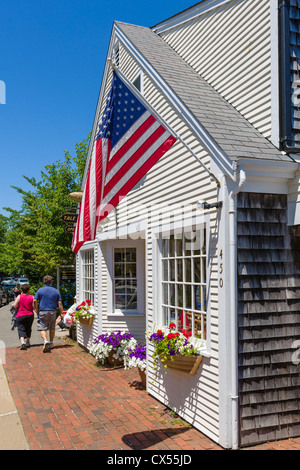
[143, 439]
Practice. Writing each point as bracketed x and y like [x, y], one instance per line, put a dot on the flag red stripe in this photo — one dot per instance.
[133, 159]
[136, 177]
[130, 142]
[99, 175]
[86, 214]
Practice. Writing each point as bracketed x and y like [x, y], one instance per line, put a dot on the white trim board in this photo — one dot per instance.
[188, 15]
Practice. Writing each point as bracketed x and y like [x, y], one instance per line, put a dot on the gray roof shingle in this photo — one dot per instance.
[234, 135]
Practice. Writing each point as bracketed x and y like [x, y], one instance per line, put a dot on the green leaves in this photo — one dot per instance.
[34, 240]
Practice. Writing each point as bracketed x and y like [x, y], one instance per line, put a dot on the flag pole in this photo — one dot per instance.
[159, 118]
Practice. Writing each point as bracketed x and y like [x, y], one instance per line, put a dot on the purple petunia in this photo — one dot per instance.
[114, 339]
[139, 352]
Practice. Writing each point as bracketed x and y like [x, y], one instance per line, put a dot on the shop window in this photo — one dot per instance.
[125, 279]
[88, 275]
[184, 281]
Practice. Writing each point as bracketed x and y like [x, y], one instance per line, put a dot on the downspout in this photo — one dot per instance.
[233, 311]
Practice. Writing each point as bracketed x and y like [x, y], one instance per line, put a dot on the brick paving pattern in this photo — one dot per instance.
[66, 402]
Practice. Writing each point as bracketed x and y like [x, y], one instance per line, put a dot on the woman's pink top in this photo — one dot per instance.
[25, 305]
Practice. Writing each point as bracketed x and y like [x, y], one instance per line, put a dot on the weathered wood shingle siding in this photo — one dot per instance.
[268, 318]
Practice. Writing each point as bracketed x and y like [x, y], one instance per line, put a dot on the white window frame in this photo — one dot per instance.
[140, 275]
[87, 293]
[188, 225]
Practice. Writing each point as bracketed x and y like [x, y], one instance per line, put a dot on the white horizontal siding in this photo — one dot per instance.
[230, 47]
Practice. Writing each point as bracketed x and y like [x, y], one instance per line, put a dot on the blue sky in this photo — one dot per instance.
[52, 55]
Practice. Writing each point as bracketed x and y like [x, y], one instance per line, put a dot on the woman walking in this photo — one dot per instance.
[25, 315]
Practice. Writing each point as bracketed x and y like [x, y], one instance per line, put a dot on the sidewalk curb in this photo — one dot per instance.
[11, 429]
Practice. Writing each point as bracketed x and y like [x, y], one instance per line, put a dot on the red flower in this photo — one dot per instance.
[172, 325]
[88, 302]
[172, 336]
[186, 334]
[159, 332]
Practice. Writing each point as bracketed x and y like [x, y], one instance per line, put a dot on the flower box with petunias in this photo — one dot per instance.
[176, 350]
[112, 346]
[84, 312]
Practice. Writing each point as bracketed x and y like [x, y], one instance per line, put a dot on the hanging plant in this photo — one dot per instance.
[175, 349]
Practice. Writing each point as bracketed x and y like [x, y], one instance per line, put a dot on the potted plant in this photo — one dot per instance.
[112, 347]
[84, 312]
[175, 350]
[136, 357]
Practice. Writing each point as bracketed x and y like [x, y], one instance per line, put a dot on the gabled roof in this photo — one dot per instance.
[231, 132]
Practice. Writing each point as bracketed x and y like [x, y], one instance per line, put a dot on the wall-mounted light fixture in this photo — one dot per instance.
[204, 206]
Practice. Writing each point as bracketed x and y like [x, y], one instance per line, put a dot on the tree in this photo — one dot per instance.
[35, 235]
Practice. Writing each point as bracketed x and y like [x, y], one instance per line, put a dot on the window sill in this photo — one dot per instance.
[127, 313]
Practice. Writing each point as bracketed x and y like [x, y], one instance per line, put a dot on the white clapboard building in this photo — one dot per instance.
[224, 77]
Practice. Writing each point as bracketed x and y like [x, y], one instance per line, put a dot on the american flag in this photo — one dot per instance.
[129, 142]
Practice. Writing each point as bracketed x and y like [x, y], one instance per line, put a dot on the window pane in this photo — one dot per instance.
[119, 255]
[131, 255]
[188, 268]
[204, 270]
[178, 246]
[179, 270]
[197, 270]
[165, 269]
[179, 295]
[119, 270]
[120, 287]
[165, 315]
[165, 294]
[120, 301]
[130, 270]
[188, 296]
[165, 248]
[198, 298]
[172, 270]
[172, 247]
[132, 302]
[172, 294]
[132, 283]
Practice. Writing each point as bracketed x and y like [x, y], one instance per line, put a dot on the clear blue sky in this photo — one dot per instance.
[52, 56]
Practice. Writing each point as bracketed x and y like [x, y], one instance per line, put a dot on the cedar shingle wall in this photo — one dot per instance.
[268, 318]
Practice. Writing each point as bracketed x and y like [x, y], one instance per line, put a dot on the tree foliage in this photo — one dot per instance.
[35, 241]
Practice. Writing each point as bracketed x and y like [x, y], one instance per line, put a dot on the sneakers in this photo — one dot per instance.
[23, 346]
[46, 347]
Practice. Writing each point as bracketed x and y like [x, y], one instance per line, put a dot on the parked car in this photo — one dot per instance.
[9, 281]
[4, 298]
[23, 280]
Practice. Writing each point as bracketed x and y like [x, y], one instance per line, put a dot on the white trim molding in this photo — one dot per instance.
[188, 15]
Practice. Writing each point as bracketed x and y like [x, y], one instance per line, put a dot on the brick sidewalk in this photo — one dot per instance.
[66, 402]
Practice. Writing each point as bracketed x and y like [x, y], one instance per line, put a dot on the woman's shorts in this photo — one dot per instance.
[24, 325]
[46, 320]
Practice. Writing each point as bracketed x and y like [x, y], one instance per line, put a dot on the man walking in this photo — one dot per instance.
[46, 302]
